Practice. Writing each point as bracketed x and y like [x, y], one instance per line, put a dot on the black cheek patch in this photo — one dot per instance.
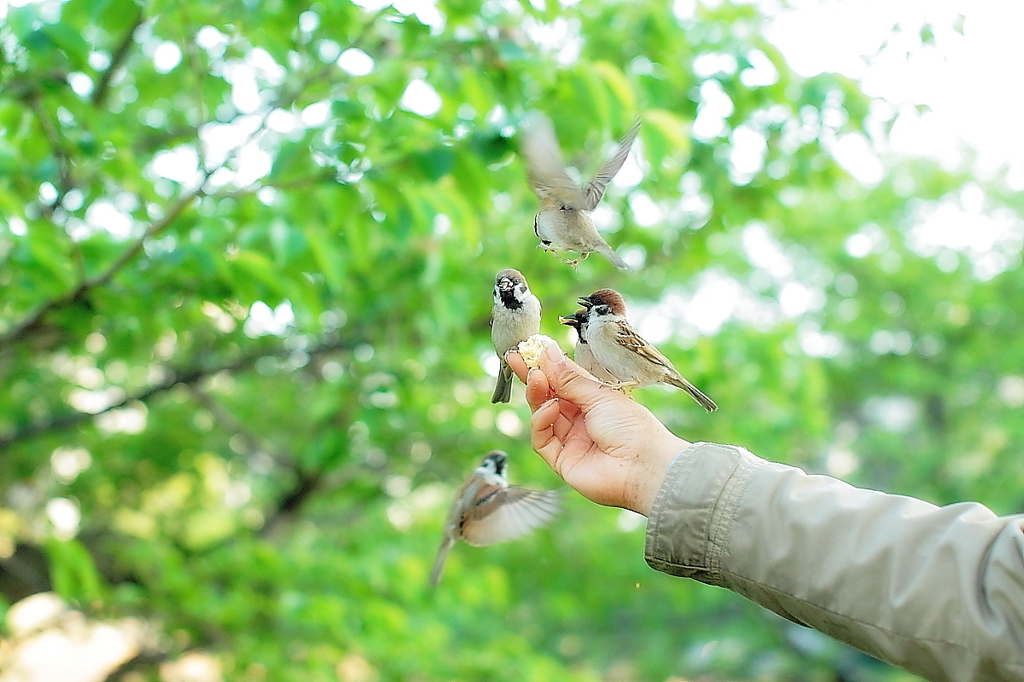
[509, 300]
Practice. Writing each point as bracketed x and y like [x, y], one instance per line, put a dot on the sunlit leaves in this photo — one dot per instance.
[302, 351]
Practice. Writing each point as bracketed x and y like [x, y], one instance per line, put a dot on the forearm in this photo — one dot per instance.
[938, 591]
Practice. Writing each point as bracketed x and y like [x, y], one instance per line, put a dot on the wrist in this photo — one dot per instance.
[650, 470]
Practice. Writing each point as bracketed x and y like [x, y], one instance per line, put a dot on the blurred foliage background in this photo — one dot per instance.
[246, 255]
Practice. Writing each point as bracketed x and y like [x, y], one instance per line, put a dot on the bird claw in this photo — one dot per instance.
[626, 387]
[623, 387]
[576, 262]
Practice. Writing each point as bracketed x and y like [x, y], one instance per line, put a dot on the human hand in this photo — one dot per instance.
[603, 444]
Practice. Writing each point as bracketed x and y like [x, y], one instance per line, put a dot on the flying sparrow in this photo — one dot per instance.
[487, 510]
[625, 354]
[564, 220]
[515, 317]
[582, 355]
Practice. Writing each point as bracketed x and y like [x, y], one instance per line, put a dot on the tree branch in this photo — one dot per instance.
[231, 424]
[33, 318]
[188, 40]
[327, 175]
[25, 572]
[99, 95]
[300, 492]
[283, 100]
[59, 149]
[145, 659]
[186, 377]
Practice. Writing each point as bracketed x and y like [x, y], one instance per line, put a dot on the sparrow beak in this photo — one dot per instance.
[505, 284]
[570, 321]
[585, 302]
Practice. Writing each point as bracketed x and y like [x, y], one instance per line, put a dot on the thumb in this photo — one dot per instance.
[568, 381]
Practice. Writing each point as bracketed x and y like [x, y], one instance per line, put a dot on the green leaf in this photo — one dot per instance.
[96, 8]
[434, 163]
[249, 269]
[72, 571]
[22, 20]
[616, 81]
[69, 41]
[287, 242]
[329, 259]
[665, 134]
[292, 160]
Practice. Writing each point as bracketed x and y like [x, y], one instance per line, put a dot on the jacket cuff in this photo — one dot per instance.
[694, 509]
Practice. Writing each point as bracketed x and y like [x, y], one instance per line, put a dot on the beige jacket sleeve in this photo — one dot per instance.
[938, 591]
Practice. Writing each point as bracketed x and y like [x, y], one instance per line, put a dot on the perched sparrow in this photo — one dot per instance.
[564, 220]
[515, 317]
[582, 355]
[487, 510]
[624, 353]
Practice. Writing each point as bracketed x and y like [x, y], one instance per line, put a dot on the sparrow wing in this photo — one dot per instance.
[545, 169]
[594, 190]
[626, 337]
[509, 513]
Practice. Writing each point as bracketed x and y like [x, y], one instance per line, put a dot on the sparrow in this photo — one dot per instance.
[515, 317]
[626, 355]
[564, 221]
[582, 355]
[487, 510]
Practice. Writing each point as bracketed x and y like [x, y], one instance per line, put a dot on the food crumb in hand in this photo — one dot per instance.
[532, 348]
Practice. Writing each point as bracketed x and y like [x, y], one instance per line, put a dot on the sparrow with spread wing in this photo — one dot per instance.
[487, 510]
[564, 220]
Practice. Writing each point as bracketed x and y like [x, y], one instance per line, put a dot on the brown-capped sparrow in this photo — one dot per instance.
[564, 220]
[582, 355]
[487, 510]
[625, 354]
[515, 317]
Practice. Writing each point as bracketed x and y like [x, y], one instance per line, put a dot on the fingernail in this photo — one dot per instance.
[554, 353]
[549, 401]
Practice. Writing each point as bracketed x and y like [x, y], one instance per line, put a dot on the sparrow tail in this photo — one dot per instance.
[442, 554]
[614, 259]
[503, 389]
[707, 403]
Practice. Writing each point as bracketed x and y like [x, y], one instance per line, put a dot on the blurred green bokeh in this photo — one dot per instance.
[246, 254]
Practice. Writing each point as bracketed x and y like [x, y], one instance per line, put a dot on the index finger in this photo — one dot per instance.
[538, 390]
[517, 364]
